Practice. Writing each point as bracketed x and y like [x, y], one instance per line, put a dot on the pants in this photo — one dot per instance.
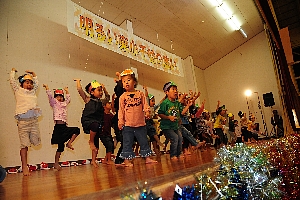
[176, 141]
[128, 138]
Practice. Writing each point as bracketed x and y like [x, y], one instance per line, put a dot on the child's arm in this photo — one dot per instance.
[195, 97]
[107, 96]
[171, 118]
[83, 95]
[49, 94]
[13, 82]
[218, 104]
[121, 113]
[113, 109]
[146, 107]
[186, 108]
[68, 97]
[199, 112]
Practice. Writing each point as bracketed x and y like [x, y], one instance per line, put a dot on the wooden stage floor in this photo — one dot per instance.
[107, 181]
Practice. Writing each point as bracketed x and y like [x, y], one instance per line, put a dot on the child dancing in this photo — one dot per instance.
[132, 110]
[92, 117]
[169, 112]
[26, 113]
[61, 133]
[105, 135]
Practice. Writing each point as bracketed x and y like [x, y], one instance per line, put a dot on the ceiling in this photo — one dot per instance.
[192, 27]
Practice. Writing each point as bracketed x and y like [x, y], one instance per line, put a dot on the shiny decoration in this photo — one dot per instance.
[243, 172]
[143, 192]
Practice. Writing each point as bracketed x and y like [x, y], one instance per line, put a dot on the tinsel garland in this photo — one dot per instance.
[284, 154]
[264, 170]
[244, 173]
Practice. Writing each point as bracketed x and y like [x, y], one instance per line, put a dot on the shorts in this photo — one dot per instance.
[62, 134]
[29, 132]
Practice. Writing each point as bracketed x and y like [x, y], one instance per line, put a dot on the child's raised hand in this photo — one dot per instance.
[66, 88]
[46, 86]
[203, 102]
[14, 69]
[77, 79]
[145, 87]
[30, 72]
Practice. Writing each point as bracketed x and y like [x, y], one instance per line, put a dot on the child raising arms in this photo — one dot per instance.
[132, 110]
[92, 117]
[26, 113]
[61, 133]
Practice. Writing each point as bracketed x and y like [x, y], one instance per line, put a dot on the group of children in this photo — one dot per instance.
[134, 119]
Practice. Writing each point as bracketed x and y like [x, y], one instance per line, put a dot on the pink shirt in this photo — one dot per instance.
[132, 108]
[59, 108]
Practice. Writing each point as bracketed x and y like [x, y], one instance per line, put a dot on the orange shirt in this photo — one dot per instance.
[132, 108]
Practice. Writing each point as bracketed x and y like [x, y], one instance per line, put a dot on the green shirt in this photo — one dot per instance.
[170, 108]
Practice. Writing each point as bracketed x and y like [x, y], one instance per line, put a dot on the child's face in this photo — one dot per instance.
[128, 83]
[59, 98]
[152, 102]
[98, 92]
[27, 84]
[172, 93]
[107, 106]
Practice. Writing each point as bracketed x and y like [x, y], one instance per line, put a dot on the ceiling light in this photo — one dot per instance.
[227, 14]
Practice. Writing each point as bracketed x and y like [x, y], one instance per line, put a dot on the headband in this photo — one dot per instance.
[26, 77]
[127, 72]
[168, 85]
[150, 96]
[59, 92]
[94, 84]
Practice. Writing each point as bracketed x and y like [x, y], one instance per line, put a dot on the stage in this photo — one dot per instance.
[107, 181]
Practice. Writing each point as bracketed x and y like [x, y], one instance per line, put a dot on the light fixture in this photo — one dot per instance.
[226, 12]
[248, 93]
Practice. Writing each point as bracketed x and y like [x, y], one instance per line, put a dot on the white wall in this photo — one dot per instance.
[34, 36]
[247, 67]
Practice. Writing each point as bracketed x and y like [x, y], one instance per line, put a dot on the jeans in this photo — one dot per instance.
[140, 133]
[176, 141]
[188, 135]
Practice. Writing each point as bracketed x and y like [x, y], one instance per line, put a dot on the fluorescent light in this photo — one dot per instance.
[225, 11]
[243, 33]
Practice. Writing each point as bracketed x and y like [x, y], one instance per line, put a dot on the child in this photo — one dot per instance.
[169, 112]
[119, 90]
[26, 113]
[238, 132]
[151, 131]
[185, 129]
[105, 135]
[132, 110]
[61, 132]
[244, 125]
[92, 117]
[85, 97]
[204, 126]
[231, 135]
[218, 125]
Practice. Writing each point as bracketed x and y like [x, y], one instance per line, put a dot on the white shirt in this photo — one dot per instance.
[26, 100]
